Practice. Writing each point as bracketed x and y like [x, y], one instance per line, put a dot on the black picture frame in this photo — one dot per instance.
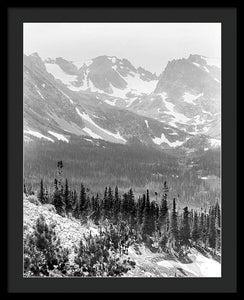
[16, 16]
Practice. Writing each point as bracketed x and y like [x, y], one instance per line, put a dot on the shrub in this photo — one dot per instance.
[43, 254]
[103, 254]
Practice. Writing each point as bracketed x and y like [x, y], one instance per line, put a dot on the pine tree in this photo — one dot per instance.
[46, 196]
[110, 202]
[60, 176]
[107, 202]
[163, 212]
[140, 208]
[88, 206]
[131, 208]
[191, 219]
[83, 202]
[124, 207]
[116, 193]
[185, 228]
[25, 190]
[195, 230]
[218, 226]
[58, 196]
[206, 230]
[55, 184]
[201, 226]
[117, 206]
[41, 195]
[58, 202]
[152, 217]
[165, 188]
[105, 193]
[212, 228]
[174, 232]
[67, 197]
[76, 206]
[147, 226]
[97, 210]
[156, 211]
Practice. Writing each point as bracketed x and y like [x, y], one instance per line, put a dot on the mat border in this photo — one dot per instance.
[16, 17]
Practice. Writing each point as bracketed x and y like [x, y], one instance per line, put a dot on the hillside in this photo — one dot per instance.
[149, 263]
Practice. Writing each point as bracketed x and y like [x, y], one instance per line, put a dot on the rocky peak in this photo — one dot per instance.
[196, 58]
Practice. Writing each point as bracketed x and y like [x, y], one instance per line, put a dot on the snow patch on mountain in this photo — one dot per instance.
[110, 102]
[141, 86]
[91, 133]
[215, 142]
[178, 117]
[130, 101]
[198, 120]
[163, 139]
[37, 134]
[207, 112]
[59, 136]
[70, 100]
[189, 98]
[88, 120]
[196, 64]
[135, 85]
[113, 59]
[206, 69]
[163, 96]
[58, 73]
[147, 123]
[39, 93]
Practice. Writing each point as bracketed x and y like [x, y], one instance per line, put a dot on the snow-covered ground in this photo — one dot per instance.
[201, 266]
[154, 264]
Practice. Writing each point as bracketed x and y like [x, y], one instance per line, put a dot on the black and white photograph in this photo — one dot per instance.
[122, 150]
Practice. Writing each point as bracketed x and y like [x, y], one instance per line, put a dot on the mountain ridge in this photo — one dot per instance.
[86, 113]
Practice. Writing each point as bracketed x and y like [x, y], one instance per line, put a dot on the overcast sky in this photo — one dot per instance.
[150, 45]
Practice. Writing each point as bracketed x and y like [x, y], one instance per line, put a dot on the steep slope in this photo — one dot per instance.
[187, 96]
[148, 263]
[53, 112]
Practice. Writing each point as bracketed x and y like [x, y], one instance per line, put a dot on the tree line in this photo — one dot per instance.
[150, 221]
[122, 165]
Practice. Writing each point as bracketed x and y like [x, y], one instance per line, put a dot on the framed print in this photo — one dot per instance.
[122, 149]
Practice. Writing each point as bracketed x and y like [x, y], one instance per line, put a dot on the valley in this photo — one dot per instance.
[156, 128]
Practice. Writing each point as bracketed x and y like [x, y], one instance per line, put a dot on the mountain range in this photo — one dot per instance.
[109, 99]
